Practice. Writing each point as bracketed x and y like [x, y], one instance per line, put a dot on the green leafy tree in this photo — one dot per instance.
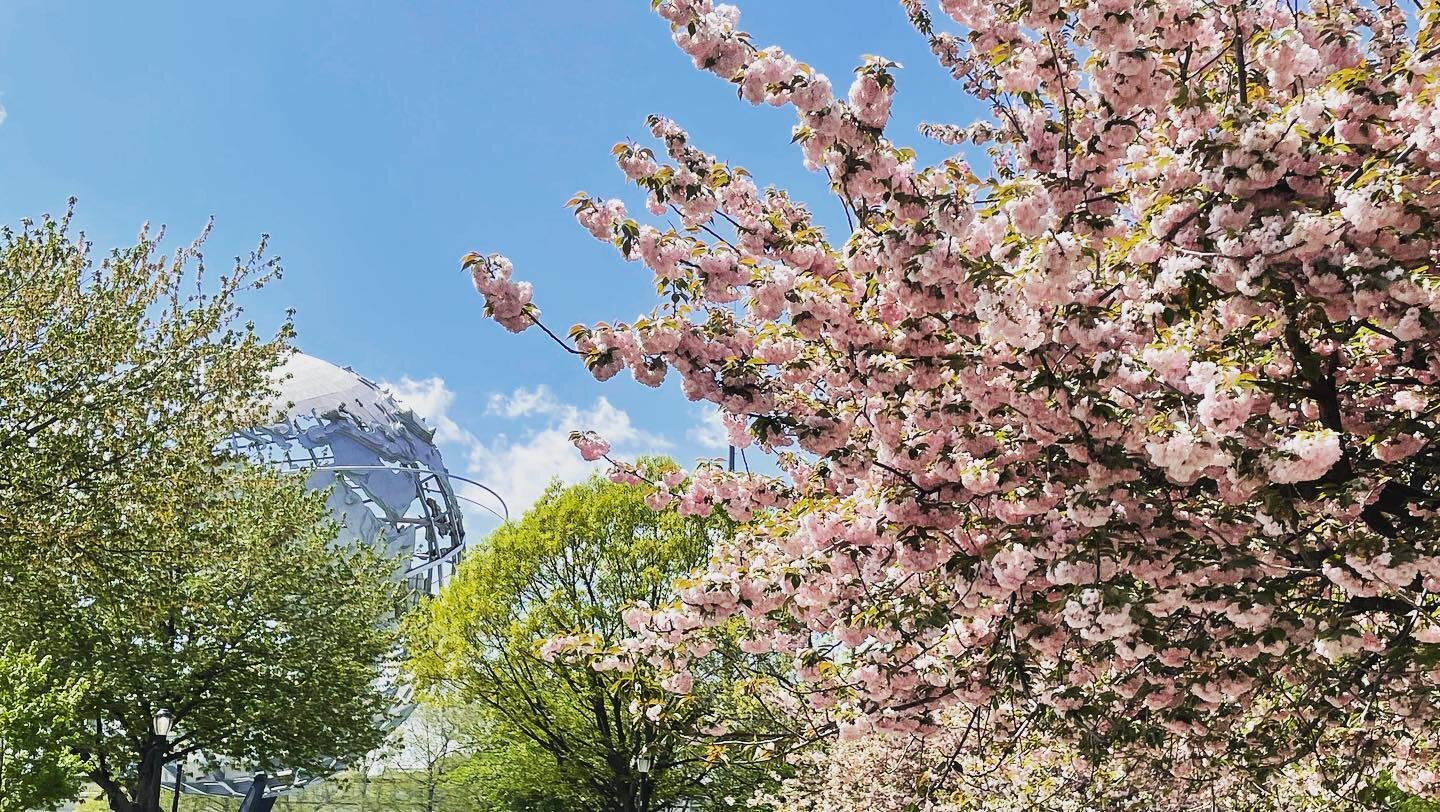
[438, 738]
[1384, 794]
[37, 712]
[224, 602]
[413, 772]
[115, 372]
[509, 774]
[141, 560]
[565, 734]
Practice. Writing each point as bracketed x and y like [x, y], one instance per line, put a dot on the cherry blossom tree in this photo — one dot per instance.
[948, 772]
[1124, 437]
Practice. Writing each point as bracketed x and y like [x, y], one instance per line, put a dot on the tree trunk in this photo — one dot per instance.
[114, 793]
[621, 795]
[148, 779]
[144, 793]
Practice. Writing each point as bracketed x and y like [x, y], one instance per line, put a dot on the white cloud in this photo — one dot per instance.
[3, 114]
[710, 432]
[518, 464]
[523, 402]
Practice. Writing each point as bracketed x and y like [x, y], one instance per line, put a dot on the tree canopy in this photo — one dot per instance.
[114, 373]
[37, 719]
[141, 560]
[1121, 430]
[530, 631]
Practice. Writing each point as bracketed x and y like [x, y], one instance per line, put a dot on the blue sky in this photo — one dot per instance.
[378, 142]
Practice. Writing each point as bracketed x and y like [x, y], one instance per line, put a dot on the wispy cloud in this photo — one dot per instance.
[523, 402]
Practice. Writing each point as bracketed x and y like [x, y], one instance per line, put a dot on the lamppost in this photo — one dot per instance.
[161, 726]
[642, 764]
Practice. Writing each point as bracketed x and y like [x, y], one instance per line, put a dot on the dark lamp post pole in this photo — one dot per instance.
[161, 726]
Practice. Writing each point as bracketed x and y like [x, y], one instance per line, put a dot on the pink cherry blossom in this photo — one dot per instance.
[1119, 443]
[592, 446]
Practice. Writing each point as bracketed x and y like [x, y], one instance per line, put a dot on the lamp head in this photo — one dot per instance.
[162, 724]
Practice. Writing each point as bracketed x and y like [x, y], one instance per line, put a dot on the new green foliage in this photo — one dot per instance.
[565, 735]
[37, 712]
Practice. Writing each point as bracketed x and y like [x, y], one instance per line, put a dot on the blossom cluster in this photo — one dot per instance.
[999, 765]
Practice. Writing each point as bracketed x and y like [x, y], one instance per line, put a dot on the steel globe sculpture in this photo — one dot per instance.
[390, 490]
